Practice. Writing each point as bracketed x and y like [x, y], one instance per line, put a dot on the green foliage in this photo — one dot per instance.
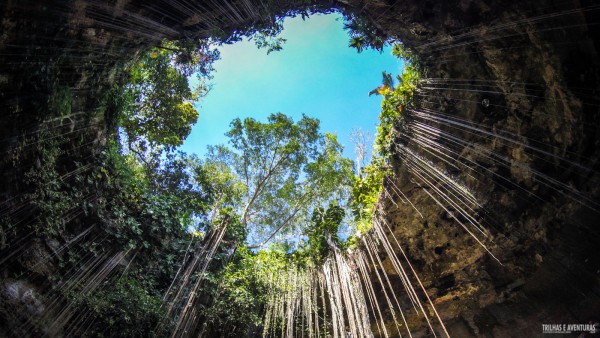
[239, 302]
[101, 203]
[48, 192]
[142, 199]
[268, 24]
[149, 210]
[365, 194]
[159, 108]
[363, 34]
[287, 169]
[269, 38]
[400, 51]
[220, 181]
[322, 232]
[146, 217]
[366, 188]
[123, 309]
[60, 102]
[395, 101]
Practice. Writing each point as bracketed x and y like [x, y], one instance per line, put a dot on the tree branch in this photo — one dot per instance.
[286, 221]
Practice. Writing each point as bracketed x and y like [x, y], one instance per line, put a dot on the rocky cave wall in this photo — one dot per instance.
[529, 73]
[539, 62]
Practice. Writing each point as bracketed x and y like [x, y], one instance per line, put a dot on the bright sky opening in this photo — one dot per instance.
[316, 73]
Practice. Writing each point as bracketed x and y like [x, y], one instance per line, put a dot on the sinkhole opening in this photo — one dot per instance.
[288, 119]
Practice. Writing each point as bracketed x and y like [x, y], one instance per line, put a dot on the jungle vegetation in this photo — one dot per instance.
[281, 189]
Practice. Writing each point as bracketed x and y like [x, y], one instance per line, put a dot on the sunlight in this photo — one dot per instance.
[316, 73]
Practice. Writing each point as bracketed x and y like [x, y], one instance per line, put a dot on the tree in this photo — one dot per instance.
[362, 148]
[287, 169]
[322, 231]
[159, 109]
[363, 34]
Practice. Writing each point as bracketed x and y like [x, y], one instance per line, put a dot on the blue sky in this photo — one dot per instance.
[316, 73]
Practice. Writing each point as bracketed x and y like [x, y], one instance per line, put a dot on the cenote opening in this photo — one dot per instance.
[161, 178]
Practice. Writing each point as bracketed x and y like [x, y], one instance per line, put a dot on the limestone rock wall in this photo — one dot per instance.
[511, 92]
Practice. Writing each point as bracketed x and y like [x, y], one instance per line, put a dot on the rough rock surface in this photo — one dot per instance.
[527, 77]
